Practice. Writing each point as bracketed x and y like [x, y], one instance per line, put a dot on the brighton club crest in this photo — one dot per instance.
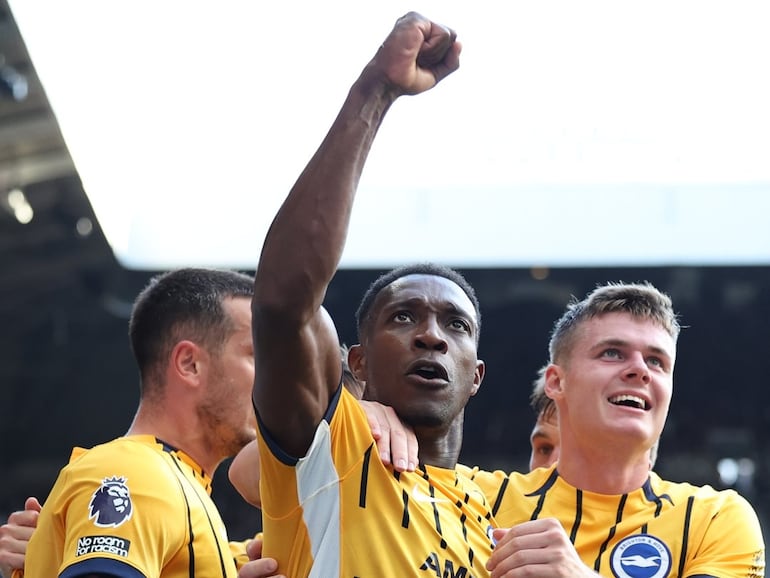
[640, 556]
[111, 504]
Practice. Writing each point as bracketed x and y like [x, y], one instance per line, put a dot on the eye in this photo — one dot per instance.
[541, 447]
[656, 361]
[403, 317]
[612, 353]
[461, 325]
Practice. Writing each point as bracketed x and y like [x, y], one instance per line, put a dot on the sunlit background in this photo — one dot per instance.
[579, 143]
[575, 133]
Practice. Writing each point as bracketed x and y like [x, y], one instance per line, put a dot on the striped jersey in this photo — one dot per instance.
[662, 529]
[338, 511]
[133, 507]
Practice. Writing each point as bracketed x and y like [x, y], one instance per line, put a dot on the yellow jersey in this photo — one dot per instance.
[338, 511]
[662, 529]
[133, 507]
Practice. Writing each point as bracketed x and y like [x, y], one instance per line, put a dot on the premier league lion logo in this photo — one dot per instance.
[111, 504]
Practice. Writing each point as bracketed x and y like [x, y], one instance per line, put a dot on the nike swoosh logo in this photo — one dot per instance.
[481, 494]
[419, 496]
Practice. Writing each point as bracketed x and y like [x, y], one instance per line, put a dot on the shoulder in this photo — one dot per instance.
[136, 465]
[493, 481]
[110, 482]
[723, 524]
[345, 413]
[705, 500]
[124, 453]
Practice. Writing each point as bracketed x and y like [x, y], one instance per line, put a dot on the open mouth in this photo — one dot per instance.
[629, 401]
[429, 371]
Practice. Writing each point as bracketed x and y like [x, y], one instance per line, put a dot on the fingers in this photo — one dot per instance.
[403, 443]
[539, 542]
[374, 416]
[263, 568]
[258, 567]
[440, 51]
[14, 536]
[436, 45]
[23, 522]
[417, 54]
[254, 549]
[396, 442]
[449, 62]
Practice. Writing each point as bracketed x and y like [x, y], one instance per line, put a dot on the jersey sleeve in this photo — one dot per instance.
[732, 544]
[114, 509]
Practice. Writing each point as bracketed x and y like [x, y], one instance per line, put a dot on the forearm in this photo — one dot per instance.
[296, 345]
[305, 242]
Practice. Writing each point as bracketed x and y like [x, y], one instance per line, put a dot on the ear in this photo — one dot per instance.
[554, 381]
[188, 362]
[357, 362]
[481, 369]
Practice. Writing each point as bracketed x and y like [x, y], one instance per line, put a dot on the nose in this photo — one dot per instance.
[430, 336]
[637, 369]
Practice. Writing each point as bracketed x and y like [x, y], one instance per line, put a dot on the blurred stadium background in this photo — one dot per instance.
[68, 378]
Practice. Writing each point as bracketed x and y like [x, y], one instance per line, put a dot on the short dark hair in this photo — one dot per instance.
[641, 300]
[362, 314]
[182, 304]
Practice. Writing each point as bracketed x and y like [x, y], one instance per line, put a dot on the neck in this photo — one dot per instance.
[440, 448]
[164, 424]
[603, 472]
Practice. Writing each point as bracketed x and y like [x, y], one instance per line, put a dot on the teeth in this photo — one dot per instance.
[638, 401]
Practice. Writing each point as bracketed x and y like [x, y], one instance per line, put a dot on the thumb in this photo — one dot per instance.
[32, 503]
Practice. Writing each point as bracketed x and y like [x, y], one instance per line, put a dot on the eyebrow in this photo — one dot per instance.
[444, 307]
[623, 343]
[538, 434]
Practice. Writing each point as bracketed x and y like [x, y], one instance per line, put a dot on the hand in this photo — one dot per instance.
[15, 534]
[396, 442]
[417, 54]
[258, 567]
[536, 548]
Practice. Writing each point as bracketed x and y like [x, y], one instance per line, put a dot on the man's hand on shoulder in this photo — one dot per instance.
[396, 442]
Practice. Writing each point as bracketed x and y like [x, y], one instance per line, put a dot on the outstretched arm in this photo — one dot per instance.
[296, 344]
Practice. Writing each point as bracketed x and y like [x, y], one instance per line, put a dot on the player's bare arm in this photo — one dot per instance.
[297, 348]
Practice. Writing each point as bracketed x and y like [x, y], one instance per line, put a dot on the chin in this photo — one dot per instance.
[424, 420]
[240, 441]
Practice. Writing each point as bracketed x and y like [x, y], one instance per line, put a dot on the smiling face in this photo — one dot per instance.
[613, 387]
[419, 351]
